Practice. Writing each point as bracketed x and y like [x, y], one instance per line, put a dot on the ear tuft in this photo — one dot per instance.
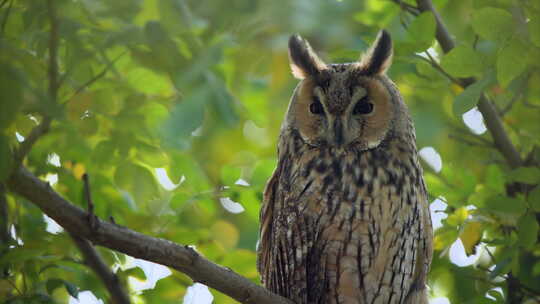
[379, 56]
[303, 60]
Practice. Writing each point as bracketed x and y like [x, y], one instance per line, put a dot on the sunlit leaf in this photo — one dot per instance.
[528, 175]
[185, 118]
[507, 205]
[225, 233]
[462, 61]
[420, 34]
[470, 236]
[137, 180]
[512, 60]
[469, 97]
[527, 230]
[492, 23]
[11, 101]
[534, 199]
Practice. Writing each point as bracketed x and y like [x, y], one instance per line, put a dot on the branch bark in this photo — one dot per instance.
[491, 116]
[182, 258]
[95, 262]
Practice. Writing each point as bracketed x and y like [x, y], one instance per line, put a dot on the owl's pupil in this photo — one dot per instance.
[363, 107]
[316, 107]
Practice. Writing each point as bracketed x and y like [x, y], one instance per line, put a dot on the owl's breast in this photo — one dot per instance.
[362, 210]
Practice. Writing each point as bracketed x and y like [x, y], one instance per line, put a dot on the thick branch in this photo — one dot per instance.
[491, 117]
[181, 258]
[94, 261]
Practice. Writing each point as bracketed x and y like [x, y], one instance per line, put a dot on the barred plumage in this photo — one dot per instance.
[345, 217]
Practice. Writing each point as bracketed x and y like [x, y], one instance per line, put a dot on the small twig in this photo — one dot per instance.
[508, 107]
[407, 7]
[466, 132]
[467, 141]
[530, 105]
[93, 260]
[437, 67]
[475, 42]
[30, 140]
[95, 78]
[92, 218]
[14, 286]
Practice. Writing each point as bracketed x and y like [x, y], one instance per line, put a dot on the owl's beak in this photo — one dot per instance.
[338, 132]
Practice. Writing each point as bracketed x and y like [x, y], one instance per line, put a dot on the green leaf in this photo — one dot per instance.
[504, 265]
[469, 97]
[527, 230]
[6, 159]
[179, 199]
[165, 53]
[187, 116]
[527, 175]
[229, 175]
[462, 61]
[152, 155]
[52, 284]
[262, 172]
[492, 23]
[495, 179]
[103, 153]
[420, 33]
[137, 180]
[11, 101]
[512, 60]
[534, 30]
[534, 199]
[508, 205]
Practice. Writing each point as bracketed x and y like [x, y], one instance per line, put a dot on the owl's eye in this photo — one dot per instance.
[363, 106]
[316, 107]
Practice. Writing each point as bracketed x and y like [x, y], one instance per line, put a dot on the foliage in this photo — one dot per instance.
[200, 89]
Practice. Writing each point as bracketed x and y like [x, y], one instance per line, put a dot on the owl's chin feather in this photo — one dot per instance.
[356, 145]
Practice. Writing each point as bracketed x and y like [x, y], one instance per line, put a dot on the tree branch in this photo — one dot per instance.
[94, 261]
[182, 258]
[491, 116]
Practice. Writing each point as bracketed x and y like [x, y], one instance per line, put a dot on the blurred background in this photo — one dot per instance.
[173, 108]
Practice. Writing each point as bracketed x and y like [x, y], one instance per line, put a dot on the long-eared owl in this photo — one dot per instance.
[345, 216]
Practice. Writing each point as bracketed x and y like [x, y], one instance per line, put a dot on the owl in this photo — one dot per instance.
[345, 216]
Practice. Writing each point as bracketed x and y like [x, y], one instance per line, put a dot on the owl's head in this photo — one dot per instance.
[344, 105]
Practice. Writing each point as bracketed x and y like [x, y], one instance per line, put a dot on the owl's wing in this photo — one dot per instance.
[418, 293]
[265, 229]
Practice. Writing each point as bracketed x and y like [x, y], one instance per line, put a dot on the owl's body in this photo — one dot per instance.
[345, 217]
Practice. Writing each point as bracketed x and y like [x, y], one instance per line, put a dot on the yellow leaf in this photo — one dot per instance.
[78, 170]
[458, 217]
[225, 233]
[470, 236]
